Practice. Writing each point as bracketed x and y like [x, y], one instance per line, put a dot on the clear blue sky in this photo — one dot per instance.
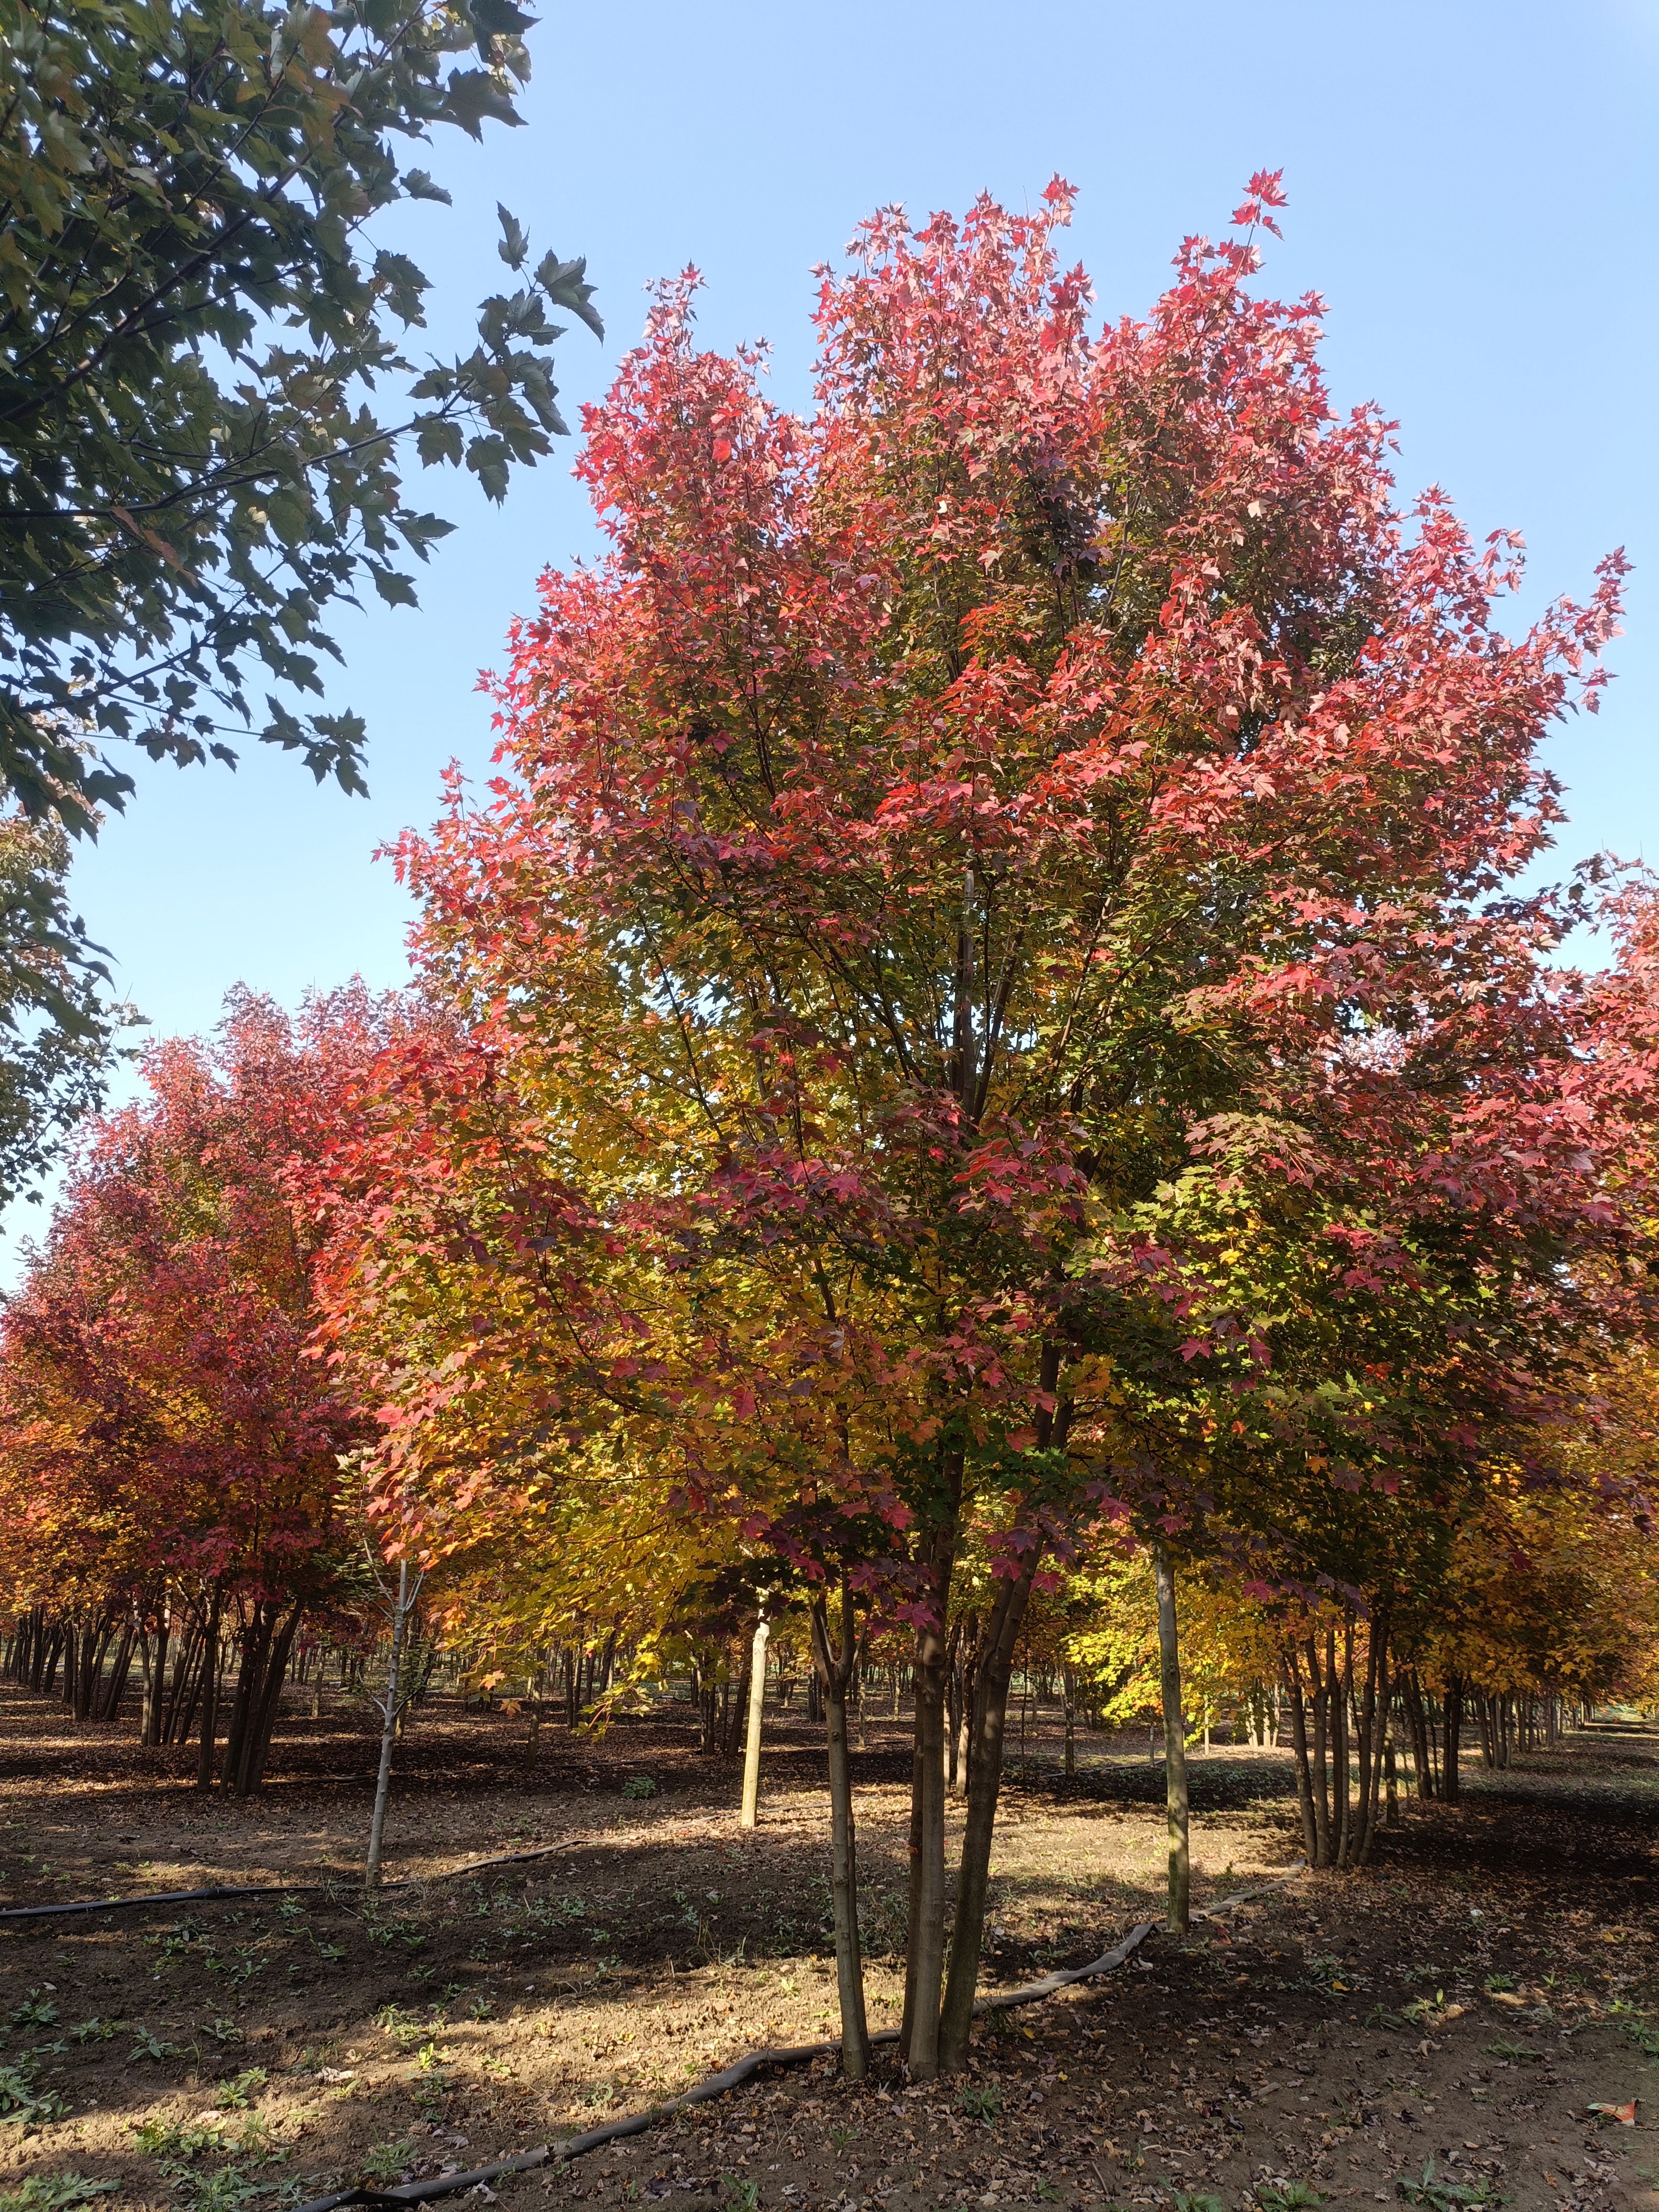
[1472, 187]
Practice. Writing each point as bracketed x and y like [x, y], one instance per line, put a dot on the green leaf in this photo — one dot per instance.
[474, 98]
[184, 496]
[487, 457]
[439, 438]
[514, 245]
[562, 281]
[394, 587]
[500, 19]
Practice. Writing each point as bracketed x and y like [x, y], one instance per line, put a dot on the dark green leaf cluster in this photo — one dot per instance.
[205, 399]
[57, 1026]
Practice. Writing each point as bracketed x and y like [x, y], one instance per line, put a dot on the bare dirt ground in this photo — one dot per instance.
[1443, 2020]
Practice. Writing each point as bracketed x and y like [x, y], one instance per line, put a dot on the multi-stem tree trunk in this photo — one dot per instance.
[189, 1669]
[735, 1709]
[1340, 1698]
[1304, 1794]
[1411, 1696]
[988, 1736]
[1371, 1730]
[121, 1667]
[1339, 1760]
[998, 1637]
[267, 1640]
[833, 1670]
[1452, 1710]
[1311, 1702]
[210, 1681]
[155, 1670]
[1175, 1741]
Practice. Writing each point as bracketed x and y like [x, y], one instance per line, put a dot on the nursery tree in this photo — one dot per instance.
[172, 1450]
[934, 822]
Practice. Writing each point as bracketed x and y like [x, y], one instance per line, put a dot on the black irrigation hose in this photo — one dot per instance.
[741, 2069]
[286, 1888]
[155, 1897]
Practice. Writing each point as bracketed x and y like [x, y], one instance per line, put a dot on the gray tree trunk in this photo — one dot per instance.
[408, 1589]
[1175, 1741]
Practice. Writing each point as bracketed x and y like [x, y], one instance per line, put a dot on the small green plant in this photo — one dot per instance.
[224, 2192]
[332, 1953]
[179, 2140]
[1447, 2196]
[23, 2103]
[1514, 2054]
[1421, 2011]
[1494, 1983]
[402, 2026]
[482, 2009]
[1196, 2202]
[149, 2046]
[1380, 2016]
[237, 2095]
[255, 2139]
[93, 2031]
[387, 2161]
[979, 2104]
[639, 1785]
[1643, 2034]
[35, 2011]
[47, 2192]
[1286, 2196]
[224, 2031]
[741, 2196]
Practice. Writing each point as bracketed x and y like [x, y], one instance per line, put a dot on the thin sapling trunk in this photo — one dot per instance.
[1175, 1741]
[409, 1586]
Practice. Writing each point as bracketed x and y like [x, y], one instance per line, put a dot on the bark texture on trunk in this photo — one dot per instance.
[1452, 1708]
[988, 1736]
[833, 1669]
[210, 1683]
[1175, 1741]
[927, 1972]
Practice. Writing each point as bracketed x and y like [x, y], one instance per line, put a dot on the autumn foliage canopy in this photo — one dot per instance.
[984, 1014]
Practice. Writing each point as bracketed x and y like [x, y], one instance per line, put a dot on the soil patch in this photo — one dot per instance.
[1446, 2018]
